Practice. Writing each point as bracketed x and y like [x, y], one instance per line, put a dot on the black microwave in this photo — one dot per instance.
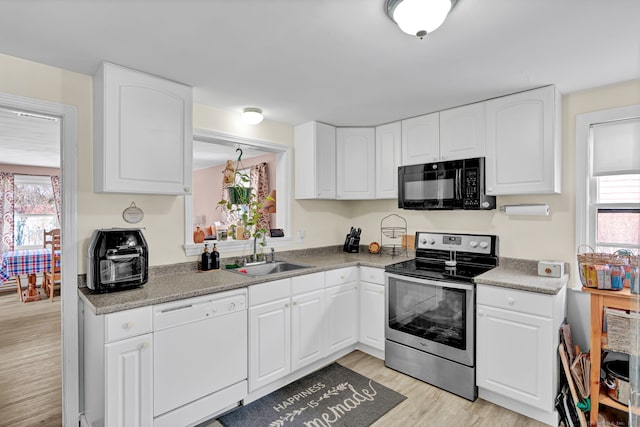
[454, 184]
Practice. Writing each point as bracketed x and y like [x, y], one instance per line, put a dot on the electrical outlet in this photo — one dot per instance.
[300, 235]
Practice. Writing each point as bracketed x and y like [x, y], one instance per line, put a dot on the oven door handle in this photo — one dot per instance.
[442, 284]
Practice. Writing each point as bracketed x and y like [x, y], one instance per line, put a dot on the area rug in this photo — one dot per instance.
[333, 396]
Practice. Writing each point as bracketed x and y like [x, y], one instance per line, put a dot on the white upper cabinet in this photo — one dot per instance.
[421, 139]
[315, 161]
[523, 143]
[462, 132]
[356, 157]
[143, 133]
[388, 158]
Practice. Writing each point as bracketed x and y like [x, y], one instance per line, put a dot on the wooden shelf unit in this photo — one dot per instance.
[600, 298]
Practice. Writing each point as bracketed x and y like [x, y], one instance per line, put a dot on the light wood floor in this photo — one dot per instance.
[426, 405]
[30, 362]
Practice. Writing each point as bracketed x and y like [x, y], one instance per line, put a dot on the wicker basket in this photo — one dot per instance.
[622, 330]
[590, 263]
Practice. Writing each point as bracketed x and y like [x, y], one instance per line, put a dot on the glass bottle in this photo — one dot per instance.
[205, 262]
[215, 258]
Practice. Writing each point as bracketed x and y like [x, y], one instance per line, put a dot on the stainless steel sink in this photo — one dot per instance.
[268, 268]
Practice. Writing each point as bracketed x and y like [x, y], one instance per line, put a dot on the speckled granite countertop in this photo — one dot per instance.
[171, 284]
[174, 282]
[522, 275]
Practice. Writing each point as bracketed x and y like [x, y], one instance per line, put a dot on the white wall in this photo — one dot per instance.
[324, 222]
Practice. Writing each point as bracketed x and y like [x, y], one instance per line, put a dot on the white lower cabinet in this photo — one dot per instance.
[296, 322]
[307, 329]
[341, 294]
[129, 382]
[118, 368]
[342, 316]
[517, 341]
[372, 307]
[269, 332]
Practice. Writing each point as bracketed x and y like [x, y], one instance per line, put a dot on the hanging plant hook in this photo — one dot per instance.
[240, 155]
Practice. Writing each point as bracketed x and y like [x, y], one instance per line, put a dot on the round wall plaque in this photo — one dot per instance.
[133, 214]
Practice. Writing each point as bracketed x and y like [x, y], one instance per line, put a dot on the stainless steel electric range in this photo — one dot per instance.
[430, 309]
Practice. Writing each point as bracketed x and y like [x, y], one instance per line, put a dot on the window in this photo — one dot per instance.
[34, 210]
[608, 180]
[212, 144]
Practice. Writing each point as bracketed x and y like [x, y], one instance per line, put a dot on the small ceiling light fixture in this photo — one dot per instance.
[252, 115]
[418, 17]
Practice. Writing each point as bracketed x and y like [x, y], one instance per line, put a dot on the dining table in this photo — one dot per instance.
[29, 262]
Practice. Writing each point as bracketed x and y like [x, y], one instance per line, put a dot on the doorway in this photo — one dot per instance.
[68, 290]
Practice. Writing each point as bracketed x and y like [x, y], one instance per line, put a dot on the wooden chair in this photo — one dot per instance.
[53, 276]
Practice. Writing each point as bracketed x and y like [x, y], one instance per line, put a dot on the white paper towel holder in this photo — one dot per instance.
[540, 209]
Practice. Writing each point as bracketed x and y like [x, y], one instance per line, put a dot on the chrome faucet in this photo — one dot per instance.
[273, 254]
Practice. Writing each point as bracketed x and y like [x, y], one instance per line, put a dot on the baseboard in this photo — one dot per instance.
[371, 351]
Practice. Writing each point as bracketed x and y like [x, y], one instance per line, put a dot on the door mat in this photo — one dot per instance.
[333, 396]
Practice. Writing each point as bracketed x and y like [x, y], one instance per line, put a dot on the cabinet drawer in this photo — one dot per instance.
[515, 300]
[341, 275]
[307, 283]
[270, 291]
[129, 323]
[371, 274]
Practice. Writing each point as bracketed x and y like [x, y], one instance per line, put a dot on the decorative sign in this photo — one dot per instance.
[133, 214]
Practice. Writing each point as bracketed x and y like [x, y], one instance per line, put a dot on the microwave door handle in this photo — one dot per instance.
[459, 184]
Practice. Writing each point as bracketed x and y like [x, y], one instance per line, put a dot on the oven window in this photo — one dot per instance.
[434, 313]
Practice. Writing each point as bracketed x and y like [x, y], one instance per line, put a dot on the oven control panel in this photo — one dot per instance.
[479, 244]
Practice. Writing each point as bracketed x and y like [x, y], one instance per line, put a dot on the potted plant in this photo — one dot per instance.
[242, 201]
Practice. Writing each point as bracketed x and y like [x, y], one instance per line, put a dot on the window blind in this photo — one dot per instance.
[616, 147]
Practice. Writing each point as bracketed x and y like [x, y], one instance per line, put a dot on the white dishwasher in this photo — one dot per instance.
[200, 356]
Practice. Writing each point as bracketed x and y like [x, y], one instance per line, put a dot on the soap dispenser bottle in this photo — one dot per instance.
[215, 258]
[205, 262]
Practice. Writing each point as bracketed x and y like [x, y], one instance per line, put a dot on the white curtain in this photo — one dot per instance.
[55, 183]
[6, 211]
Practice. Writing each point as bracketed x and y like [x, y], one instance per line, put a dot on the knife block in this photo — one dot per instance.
[351, 244]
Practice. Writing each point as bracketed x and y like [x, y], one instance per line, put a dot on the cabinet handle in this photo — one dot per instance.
[295, 303]
[187, 190]
[145, 345]
[490, 188]
[480, 313]
[511, 301]
[286, 305]
[127, 325]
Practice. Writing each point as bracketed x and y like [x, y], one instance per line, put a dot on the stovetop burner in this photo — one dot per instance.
[473, 255]
[437, 270]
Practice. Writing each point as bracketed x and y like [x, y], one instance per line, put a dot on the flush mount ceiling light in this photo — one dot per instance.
[252, 115]
[418, 17]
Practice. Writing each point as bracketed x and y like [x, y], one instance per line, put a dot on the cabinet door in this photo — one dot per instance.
[143, 133]
[341, 316]
[315, 161]
[269, 342]
[356, 156]
[523, 143]
[129, 382]
[307, 329]
[515, 356]
[388, 158]
[421, 139]
[462, 132]
[372, 315]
